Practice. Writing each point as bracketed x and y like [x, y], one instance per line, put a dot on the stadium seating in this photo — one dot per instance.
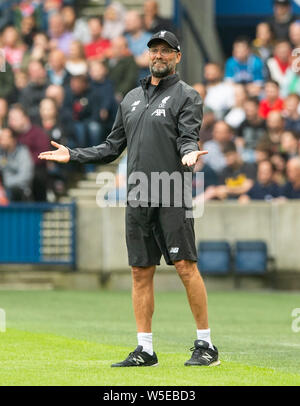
[244, 258]
[214, 257]
[251, 258]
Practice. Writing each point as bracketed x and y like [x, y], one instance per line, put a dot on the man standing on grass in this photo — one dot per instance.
[159, 122]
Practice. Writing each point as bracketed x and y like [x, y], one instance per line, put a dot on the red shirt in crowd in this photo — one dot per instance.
[37, 141]
[265, 107]
[97, 49]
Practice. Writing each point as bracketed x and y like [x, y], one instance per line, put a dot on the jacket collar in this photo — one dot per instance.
[164, 82]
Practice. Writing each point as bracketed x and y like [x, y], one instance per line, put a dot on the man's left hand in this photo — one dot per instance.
[191, 158]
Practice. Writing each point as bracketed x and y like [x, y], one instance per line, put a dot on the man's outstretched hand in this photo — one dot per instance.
[61, 154]
[191, 158]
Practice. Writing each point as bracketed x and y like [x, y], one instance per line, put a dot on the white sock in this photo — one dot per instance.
[145, 340]
[205, 336]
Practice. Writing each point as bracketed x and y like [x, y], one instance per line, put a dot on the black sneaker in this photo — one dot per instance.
[203, 355]
[138, 358]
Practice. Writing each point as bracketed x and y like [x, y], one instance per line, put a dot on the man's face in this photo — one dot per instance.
[251, 110]
[78, 85]
[274, 121]
[231, 158]
[16, 120]
[241, 51]
[7, 141]
[272, 91]
[37, 73]
[212, 73]
[293, 171]
[294, 33]
[221, 132]
[265, 173]
[283, 51]
[281, 10]
[95, 28]
[163, 59]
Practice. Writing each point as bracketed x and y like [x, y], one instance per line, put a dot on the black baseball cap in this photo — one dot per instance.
[166, 36]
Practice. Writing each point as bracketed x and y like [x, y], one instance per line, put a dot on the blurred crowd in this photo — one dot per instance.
[63, 76]
[251, 126]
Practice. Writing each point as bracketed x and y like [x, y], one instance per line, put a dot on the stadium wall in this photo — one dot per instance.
[101, 236]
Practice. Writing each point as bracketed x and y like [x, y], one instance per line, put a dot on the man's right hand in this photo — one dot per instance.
[61, 154]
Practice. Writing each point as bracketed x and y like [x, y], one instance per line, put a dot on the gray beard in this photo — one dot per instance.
[160, 73]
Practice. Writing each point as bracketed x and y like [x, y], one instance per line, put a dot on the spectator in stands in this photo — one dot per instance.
[57, 72]
[76, 63]
[50, 7]
[79, 105]
[263, 44]
[104, 102]
[281, 19]
[264, 187]
[6, 14]
[262, 151]
[291, 113]
[59, 37]
[272, 100]
[289, 144]
[251, 131]
[78, 26]
[113, 20]
[40, 47]
[28, 30]
[280, 62]
[244, 67]
[275, 128]
[57, 93]
[215, 158]
[137, 40]
[56, 132]
[153, 21]
[291, 190]
[7, 85]
[279, 161]
[37, 141]
[209, 117]
[99, 47]
[122, 68]
[13, 47]
[220, 94]
[3, 113]
[27, 8]
[236, 114]
[237, 178]
[21, 82]
[34, 92]
[49, 121]
[16, 167]
[294, 34]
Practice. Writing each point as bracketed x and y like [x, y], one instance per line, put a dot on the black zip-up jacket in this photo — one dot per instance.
[158, 130]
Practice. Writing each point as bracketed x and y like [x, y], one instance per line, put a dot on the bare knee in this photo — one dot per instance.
[186, 269]
[141, 275]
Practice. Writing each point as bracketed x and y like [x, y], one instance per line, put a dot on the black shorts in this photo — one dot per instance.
[155, 231]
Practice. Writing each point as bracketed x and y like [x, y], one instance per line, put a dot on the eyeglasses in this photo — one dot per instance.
[162, 51]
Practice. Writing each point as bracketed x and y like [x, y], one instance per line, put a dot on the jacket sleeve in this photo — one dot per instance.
[106, 152]
[189, 124]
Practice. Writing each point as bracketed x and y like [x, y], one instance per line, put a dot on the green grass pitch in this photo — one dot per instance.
[72, 337]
